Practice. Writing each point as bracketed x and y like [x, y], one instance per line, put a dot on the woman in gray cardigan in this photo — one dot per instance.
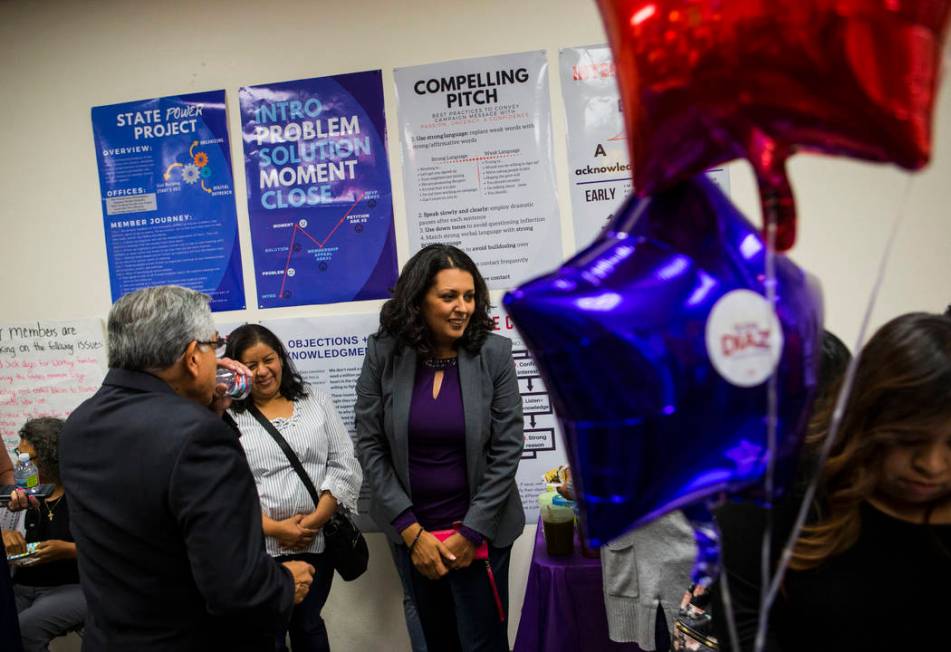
[439, 430]
[646, 572]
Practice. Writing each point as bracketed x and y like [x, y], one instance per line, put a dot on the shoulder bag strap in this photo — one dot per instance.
[288, 451]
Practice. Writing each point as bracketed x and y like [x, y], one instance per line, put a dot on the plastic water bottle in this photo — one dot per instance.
[27, 475]
[239, 385]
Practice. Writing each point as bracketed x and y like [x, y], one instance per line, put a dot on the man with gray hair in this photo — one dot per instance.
[163, 505]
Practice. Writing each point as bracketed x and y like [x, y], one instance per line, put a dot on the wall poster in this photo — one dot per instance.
[168, 196]
[598, 161]
[328, 352]
[47, 368]
[319, 196]
[478, 171]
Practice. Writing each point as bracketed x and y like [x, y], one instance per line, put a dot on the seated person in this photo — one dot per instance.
[49, 601]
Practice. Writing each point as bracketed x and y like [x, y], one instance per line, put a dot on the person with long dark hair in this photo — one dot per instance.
[440, 435]
[308, 421]
[874, 559]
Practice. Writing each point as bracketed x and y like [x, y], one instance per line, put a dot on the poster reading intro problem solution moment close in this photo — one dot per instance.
[168, 196]
[319, 196]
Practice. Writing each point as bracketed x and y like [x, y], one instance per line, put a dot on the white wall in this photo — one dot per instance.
[58, 59]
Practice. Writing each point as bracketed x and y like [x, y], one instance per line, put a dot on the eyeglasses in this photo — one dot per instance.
[19, 452]
[218, 344]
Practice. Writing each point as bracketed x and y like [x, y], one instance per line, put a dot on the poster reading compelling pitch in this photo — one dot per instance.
[168, 196]
[598, 157]
[319, 194]
[477, 162]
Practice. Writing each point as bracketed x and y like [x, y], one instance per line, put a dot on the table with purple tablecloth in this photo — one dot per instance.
[564, 605]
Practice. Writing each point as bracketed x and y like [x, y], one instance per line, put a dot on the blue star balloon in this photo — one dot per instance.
[656, 343]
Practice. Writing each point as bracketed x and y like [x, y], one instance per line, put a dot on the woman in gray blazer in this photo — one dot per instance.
[439, 428]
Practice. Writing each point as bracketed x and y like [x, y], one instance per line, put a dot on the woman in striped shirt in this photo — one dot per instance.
[307, 419]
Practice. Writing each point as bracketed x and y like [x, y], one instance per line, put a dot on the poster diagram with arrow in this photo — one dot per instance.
[196, 170]
[168, 196]
[319, 195]
[543, 442]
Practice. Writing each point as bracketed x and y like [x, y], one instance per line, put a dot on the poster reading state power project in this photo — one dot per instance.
[477, 162]
[167, 196]
[319, 194]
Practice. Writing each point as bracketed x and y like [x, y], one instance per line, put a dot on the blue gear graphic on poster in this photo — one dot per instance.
[168, 196]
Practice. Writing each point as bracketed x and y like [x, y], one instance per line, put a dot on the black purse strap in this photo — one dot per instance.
[288, 451]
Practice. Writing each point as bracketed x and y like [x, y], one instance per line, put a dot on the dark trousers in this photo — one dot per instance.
[404, 566]
[9, 625]
[307, 629]
[662, 641]
[46, 612]
[458, 612]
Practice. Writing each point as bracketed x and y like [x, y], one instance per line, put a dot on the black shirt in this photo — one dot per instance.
[889, 591]
[39, 527]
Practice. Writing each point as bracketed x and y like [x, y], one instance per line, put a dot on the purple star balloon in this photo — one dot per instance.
[656, 343]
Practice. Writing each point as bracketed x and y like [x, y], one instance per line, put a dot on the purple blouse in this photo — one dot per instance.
[439, 486]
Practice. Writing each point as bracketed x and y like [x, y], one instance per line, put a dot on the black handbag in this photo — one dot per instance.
[343, 540]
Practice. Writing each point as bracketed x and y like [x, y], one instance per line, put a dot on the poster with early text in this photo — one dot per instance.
[47, 368]
[319, 195]
[477, 162]
[168, 196]
[598, 160]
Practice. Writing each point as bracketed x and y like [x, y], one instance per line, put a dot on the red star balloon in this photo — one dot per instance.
[707, 81]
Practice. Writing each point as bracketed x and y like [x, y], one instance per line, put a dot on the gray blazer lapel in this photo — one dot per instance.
[470, 382]
[404, 376]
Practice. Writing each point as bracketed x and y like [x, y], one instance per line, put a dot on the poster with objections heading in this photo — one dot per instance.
[168, 196]
[319, 195]
[477, 162]
[47, 368]
[598, 160]
[329, 351]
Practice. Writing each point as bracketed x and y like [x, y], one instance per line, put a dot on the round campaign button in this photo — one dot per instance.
[744, 338]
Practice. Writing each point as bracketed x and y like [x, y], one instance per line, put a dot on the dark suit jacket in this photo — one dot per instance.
[494, 434]
[167, 524]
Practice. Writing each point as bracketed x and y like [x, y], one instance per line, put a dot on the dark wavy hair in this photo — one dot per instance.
[832, 365]
[402, 316]
[902, 388]
[243, 338]
[43, 435]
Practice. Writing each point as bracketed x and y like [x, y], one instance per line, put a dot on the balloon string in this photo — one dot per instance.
[841, 401]
[725, 593]
[771, 219]
[709, 563]
[728, 607]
